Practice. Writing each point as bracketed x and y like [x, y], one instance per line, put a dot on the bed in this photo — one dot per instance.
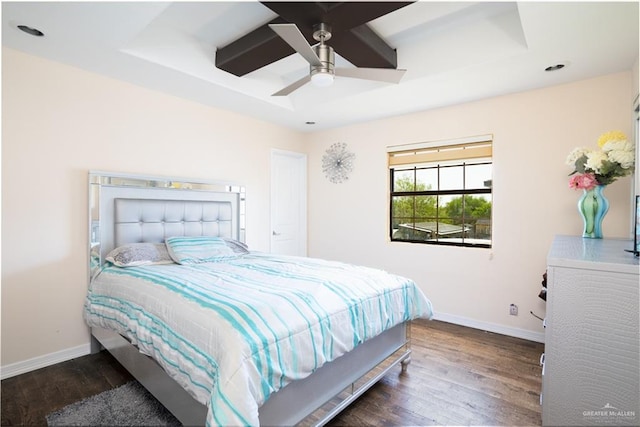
[223, 335]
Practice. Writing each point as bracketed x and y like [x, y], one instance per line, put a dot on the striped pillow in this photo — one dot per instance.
[198, 249]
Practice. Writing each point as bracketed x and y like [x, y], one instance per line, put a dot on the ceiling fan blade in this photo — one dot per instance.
[293, 86]
[388, 75]
[292, 35]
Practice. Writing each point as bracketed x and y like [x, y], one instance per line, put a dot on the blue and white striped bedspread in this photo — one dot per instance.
[233, 332]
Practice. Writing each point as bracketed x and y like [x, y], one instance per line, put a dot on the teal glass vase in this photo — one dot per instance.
[593, 206]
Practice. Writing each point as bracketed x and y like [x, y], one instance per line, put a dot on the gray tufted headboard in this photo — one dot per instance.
[149, 220]
[129, 209]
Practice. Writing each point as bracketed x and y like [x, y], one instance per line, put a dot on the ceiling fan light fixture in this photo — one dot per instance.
[322, 79]
[322, 75]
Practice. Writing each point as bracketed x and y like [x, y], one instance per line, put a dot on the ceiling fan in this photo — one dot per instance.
[321, 59]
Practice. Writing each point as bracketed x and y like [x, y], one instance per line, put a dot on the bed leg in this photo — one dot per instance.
[96, 347]
[405, 364]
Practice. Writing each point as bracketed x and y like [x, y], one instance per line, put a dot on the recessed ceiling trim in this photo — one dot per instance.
[555, 67]
[31, 31]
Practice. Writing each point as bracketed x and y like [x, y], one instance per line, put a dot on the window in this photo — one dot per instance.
[440, 193]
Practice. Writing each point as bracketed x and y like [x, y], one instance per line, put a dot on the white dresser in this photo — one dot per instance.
[591, 365]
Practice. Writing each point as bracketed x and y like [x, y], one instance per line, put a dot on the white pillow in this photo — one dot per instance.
[134, 254]
[198, 249]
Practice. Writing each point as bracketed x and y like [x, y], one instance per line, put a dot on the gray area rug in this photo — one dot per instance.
[127, 405]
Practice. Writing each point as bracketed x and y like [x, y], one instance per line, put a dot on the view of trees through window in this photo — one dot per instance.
[442, 204]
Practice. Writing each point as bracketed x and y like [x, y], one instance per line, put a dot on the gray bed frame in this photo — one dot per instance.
[133, 208]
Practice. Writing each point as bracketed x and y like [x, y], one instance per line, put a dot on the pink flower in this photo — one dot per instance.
[585, 181]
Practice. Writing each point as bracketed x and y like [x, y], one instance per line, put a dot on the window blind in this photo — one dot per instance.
[443, 151]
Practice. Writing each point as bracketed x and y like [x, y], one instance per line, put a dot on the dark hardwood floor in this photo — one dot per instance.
[458, 376]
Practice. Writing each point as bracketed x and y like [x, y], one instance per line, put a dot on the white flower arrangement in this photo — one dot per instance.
[615, 159]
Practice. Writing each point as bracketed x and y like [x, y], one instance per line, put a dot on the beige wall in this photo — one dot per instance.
[533, 134]
[58, 122]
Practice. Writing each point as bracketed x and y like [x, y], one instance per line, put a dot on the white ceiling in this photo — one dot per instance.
[454, 52]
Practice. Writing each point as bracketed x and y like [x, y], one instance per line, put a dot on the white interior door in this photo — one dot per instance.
[288, 203]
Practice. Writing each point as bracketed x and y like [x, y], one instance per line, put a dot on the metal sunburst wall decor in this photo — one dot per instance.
[337, 162]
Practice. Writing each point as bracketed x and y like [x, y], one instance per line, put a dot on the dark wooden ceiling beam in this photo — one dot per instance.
[255, 50]
[364, 48]
[303, 14]
[348, 15]
[351, 37]
[341, 16]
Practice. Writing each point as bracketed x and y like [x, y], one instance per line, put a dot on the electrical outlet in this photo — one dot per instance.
[513, 310]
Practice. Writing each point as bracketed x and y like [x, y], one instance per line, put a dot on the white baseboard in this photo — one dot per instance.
[491, 327]
[13, 369]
